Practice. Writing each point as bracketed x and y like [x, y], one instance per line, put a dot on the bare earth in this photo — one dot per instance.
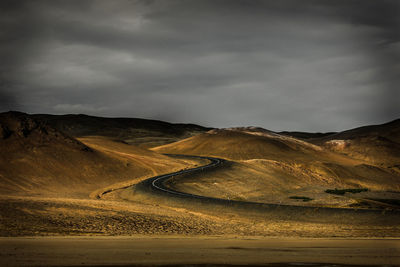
[148, 251]
[68, 201]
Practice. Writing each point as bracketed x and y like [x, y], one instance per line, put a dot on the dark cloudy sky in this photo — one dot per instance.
[282, 65]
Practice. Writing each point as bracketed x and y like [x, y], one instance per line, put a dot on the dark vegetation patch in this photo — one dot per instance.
[394, 202]
[305, 135]
[343, 191]
[376, 203]
[305, 199]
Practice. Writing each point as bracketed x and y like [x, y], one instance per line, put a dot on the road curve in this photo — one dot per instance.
[156, 186]
[157, 183]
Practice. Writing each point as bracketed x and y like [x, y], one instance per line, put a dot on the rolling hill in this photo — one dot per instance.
[376, 144]
[139, 132]
[37, 159]
[242, 144]
[76, 174]
[270, 167]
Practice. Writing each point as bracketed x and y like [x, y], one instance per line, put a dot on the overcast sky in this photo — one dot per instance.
[282, 65]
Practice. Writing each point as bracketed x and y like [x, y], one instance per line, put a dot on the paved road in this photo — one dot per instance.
[157, 183]
[155, 186]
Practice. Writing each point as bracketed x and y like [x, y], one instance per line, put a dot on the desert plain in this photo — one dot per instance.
[75, 190]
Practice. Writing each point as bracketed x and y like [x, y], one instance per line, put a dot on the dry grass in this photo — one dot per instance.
[38, 160]
[46, 179]
[269, 168]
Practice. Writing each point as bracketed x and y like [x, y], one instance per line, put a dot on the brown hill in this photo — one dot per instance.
[37, 159]
[375, 144]
[142, 132]
[305, 135]
[45, 176]
[242, 144]
[269, 167]
[390, 130]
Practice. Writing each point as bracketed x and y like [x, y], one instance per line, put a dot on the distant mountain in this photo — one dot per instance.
[135, 131]
[390, 130]
[306, 135]
[24, 129]
[377, 144]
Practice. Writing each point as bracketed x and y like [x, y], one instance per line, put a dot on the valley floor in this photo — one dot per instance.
[36, 216]
[65, 202]
[197, 251]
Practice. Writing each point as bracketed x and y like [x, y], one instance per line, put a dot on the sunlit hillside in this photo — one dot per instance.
[269, 167]
[39, 160]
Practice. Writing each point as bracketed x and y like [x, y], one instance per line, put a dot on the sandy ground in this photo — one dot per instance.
[150, 251]
[80, 214]
[30, 216]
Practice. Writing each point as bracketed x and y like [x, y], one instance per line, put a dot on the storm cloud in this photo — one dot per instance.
[283, 65]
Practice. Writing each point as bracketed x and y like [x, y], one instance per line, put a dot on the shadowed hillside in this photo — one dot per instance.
[305, 135]
[54, 183]
[390, 130]
[376, 144]
[134, 131]
[37, 159]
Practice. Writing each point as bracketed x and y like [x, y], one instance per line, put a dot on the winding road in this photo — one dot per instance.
[156, 186]
[157, 183]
